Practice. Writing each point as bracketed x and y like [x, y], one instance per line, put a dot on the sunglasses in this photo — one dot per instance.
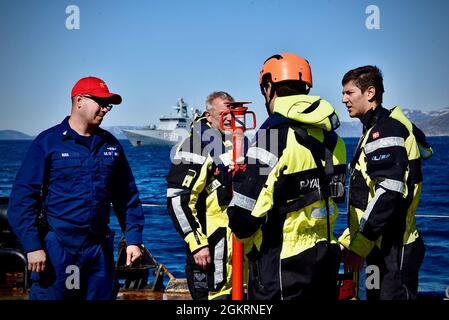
[101, 102]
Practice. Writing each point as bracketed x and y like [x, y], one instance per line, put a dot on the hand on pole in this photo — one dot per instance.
[232, 165]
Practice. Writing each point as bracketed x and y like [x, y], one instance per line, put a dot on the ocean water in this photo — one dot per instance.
[150, 165]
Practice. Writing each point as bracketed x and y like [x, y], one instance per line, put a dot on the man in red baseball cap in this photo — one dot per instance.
[97, 88]
[91, 100]
[69, 177]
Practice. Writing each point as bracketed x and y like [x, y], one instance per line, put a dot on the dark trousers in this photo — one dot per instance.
[94, 264]
[399, 268]
[311, 275]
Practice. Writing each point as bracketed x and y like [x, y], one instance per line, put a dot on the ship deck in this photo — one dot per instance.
[176, 289]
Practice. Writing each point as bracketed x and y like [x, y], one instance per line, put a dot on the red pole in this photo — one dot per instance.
[237, 246]
[238, 126]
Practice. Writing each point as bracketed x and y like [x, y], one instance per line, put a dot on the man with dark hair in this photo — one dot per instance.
[283, 205]
[69, 178]
[198, 194]
[385, 188]
[365, 77]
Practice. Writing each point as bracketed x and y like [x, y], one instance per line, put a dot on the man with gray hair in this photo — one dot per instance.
[199, 192]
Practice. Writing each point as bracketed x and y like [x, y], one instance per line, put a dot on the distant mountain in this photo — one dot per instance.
[350, 129]
[437, 124]
[17, 135]
[417, 115]
[433, 123]
[117, 131]
[13, 135]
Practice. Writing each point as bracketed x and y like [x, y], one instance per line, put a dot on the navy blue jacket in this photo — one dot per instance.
[76, 183]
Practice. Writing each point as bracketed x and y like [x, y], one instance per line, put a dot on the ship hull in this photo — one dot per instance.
[144, 137]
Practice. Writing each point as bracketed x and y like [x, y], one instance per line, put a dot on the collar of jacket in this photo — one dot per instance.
[311, 111]
[68, 133]
[370, 118]
[276, 120]
[200, 125]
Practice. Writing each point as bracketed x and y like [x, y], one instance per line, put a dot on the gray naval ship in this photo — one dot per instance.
[170, 130]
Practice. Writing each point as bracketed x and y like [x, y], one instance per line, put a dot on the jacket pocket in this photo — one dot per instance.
[66, 173]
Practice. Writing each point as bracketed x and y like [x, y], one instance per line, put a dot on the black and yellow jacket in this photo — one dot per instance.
[275, 208]
[385, 182]
[198, 194]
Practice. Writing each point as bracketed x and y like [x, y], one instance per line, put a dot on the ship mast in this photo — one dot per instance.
[181, 108]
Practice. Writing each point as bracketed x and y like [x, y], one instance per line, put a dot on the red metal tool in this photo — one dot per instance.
[237, 113]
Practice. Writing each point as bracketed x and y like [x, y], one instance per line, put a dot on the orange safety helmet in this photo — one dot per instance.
[287, 66]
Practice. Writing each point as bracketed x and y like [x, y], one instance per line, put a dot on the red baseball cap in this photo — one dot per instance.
[97, 88]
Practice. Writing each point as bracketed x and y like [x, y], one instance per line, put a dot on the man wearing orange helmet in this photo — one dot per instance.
[283, 205]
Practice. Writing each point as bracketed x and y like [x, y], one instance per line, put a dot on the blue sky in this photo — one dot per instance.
[153, 52]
